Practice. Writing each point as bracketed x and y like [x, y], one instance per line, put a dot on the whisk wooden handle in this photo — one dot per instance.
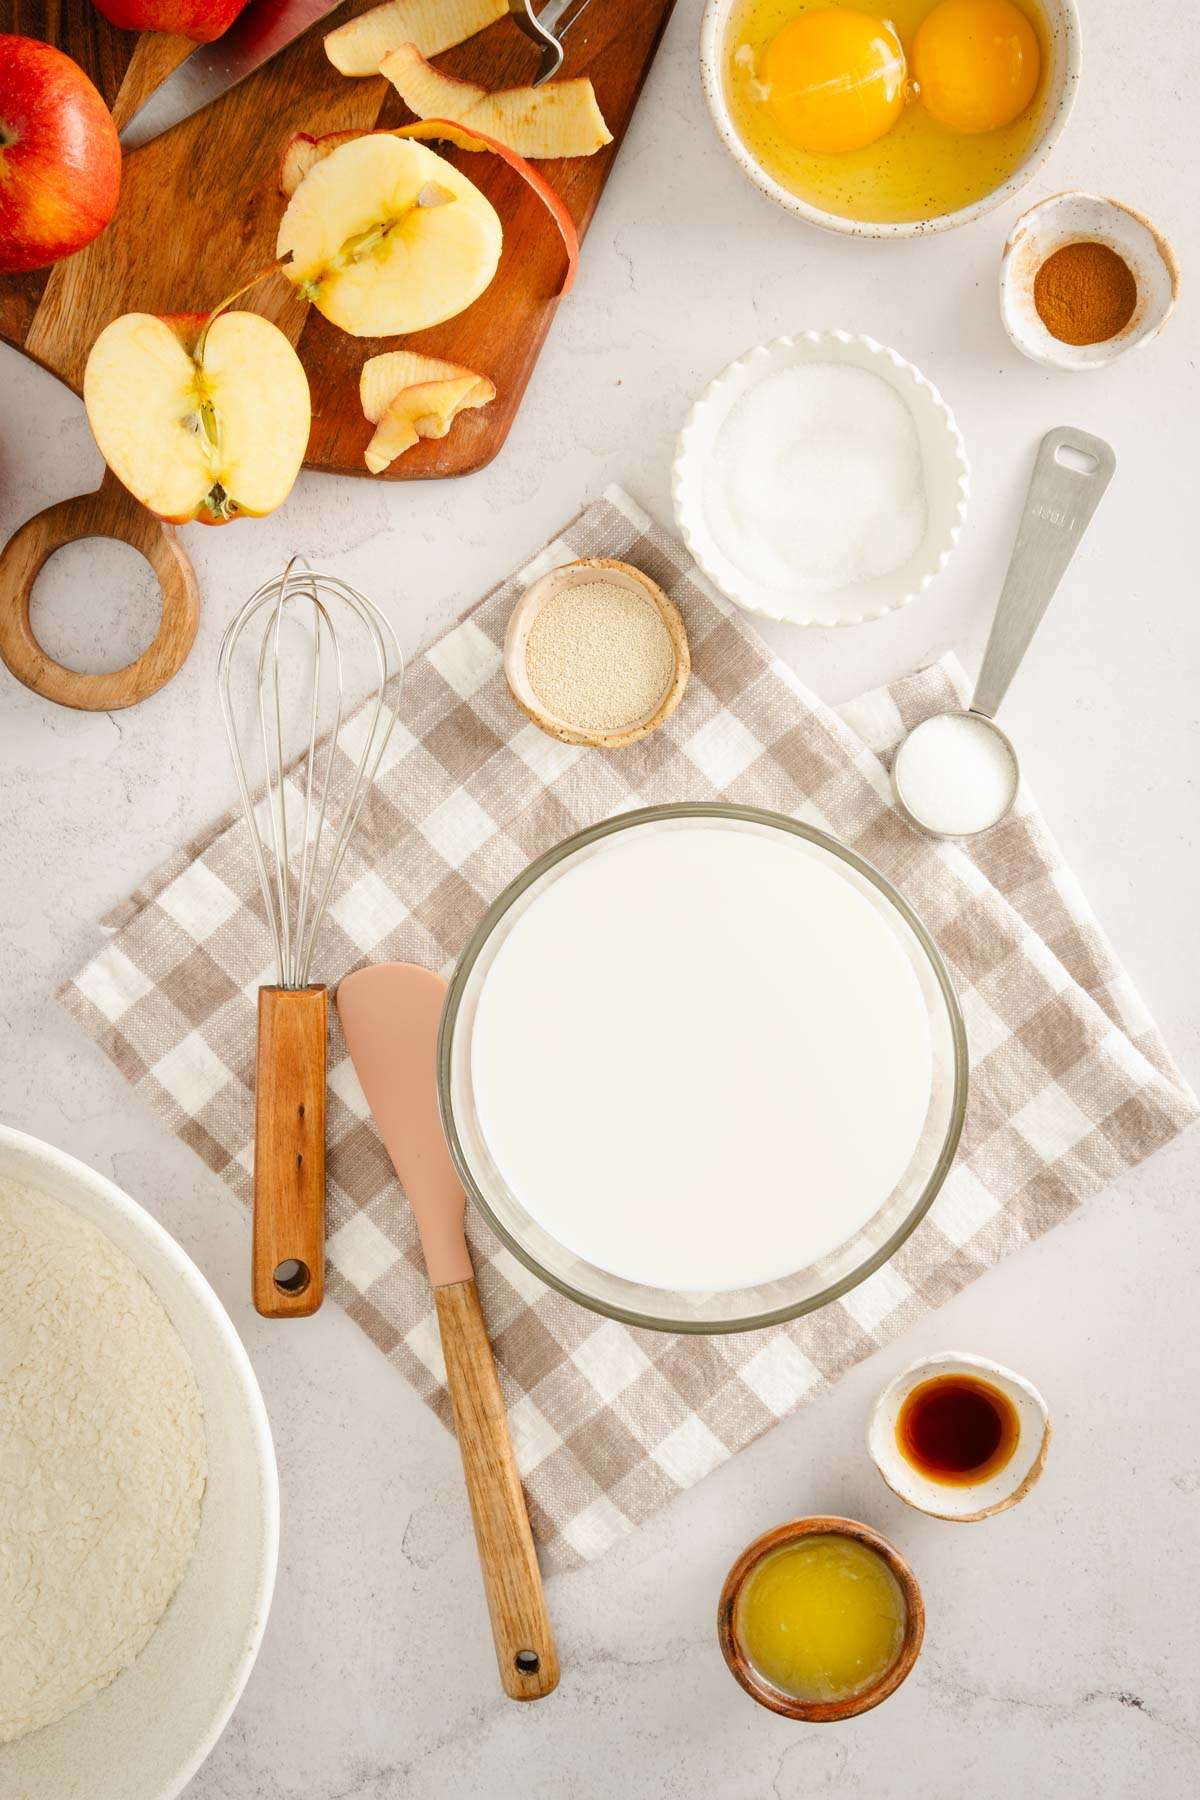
[288, 1264]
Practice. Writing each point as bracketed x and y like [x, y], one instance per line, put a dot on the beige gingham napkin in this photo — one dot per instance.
[1070, 1083]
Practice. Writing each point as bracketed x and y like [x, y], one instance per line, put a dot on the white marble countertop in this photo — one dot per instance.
[1064, 1638]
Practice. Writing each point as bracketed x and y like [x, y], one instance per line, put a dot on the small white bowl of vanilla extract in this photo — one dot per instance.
[960, 1437]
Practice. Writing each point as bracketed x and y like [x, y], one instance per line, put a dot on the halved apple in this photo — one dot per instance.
[561, 118]
[201, 417]
[411, 397]
[302, 152]
[358, 47]
[385, 237]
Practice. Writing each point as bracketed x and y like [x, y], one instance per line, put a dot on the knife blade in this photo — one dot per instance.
[257, 34]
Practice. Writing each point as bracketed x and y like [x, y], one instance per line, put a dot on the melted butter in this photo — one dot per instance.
[821, 1619]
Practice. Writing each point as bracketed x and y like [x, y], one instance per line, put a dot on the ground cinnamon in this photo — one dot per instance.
[1084, 293]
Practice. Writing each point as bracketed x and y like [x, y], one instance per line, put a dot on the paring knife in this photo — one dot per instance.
[390, 1015]
[257, 34]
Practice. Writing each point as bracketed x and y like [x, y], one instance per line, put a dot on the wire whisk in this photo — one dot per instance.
[297, 860]
[296, 906]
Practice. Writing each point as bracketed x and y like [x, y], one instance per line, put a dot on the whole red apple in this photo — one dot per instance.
[201, 20]
[60, 161]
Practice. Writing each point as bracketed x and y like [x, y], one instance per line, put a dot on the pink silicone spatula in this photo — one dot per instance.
[390, 1016]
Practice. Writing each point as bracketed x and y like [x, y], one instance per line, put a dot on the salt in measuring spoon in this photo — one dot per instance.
[956, 774]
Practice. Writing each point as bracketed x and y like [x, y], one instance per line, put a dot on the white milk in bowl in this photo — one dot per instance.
[701, 1058]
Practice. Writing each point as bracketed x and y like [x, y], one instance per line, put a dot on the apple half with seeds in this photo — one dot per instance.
[386, 237]
[408, 397]
[359, 46]
[303, 152]
[561, 118]
[200, 416]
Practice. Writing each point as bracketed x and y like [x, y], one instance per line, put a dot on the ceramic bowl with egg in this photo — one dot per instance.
[961, 1498]
[144, 1736]
[838, 597]
[1073, 218]
[909, 134]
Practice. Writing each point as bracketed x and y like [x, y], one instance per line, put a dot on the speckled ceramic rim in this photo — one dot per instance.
[819, 1712]
[1061, 16]
[830, 346]
[116, 1200]
[662, 1322]
[921, 1492]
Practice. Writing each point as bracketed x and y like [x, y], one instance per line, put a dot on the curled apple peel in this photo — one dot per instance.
[561, 118]
[409, 397]
[358, 47]
[304, 151]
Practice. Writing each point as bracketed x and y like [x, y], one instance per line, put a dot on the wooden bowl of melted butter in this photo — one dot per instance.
[820, 1619]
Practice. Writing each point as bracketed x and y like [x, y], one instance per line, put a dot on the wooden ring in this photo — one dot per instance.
[110, 512]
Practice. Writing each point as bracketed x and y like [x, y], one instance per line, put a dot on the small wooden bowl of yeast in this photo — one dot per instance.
[617, 669]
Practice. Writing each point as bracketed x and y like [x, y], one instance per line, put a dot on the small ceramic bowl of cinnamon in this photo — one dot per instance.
[1085, 279]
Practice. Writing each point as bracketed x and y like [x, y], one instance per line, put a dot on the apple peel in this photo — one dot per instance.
[301, 152]
[359, 46]
[559, 119]
[408, 397]
[304, 151]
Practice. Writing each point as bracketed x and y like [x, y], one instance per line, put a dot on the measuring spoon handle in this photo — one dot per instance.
[1062, 497]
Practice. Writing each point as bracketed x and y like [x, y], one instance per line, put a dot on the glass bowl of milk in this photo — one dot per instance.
[702, 1068]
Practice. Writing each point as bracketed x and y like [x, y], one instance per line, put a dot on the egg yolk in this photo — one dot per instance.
[976, 63]
[835, 79]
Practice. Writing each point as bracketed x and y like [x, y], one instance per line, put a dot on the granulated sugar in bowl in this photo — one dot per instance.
[956, 774]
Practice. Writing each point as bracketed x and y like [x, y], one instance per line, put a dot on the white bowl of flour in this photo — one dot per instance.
[139, 1502]
[821, 479]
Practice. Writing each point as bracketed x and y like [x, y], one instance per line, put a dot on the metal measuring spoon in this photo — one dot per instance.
[1069, 478]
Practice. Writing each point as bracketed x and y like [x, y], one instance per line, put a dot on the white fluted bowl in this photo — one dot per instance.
[145, 1735]
[943, 454]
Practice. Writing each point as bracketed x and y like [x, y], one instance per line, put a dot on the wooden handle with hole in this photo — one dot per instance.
[512, 1580]
[288, 1258]
[110, 512]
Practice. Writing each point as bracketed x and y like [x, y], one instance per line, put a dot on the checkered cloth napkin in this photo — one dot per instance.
[1071, 1084]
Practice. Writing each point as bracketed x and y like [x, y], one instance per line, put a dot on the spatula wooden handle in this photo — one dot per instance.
[288, 1263]
[512, 1580]
[114, 513]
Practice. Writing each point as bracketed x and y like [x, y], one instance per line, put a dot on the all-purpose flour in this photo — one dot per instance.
[102, 1461]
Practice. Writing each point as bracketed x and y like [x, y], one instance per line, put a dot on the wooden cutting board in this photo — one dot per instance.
[198, 215]
[200, 208]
